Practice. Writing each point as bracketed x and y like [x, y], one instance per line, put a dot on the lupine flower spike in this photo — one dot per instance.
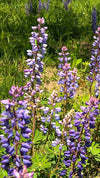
[68, 78]
[33, 73]
[95, 62]
[43, 5]
[14, 121]
[66, 2]
[94, 20]
[51, 115]
[27, 9]
[78, 138]
[30, 7]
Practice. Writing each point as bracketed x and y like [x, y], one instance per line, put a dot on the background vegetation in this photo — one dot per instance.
[70, 27]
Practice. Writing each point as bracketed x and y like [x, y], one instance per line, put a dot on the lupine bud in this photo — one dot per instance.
[27, 9]
[66, 2]
[94, 20]
[39, 6]
[47, 7]
[30, 7]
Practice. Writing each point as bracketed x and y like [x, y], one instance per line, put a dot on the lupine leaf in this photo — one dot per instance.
[38, 137]
[95, 150]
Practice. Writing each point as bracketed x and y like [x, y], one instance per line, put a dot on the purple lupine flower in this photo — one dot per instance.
[27, 9]
[97, 87]
[51, 116]
[43, 129]
[61, 145]
[43, 5]
[47, 7]
[16, 92]
[63, 172]
[95, 60]
[30, 7]
[94, 20]
[57, 110]
[66, 2]
[34, 62]
[56, 142]
[23, 173]
[32, 89]
[14, 121]
[93, 102]
[57, 117]
[68, 78]
[41, 20]
[39, 6]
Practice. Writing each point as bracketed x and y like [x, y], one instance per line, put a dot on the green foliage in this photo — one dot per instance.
[40, 161]
[80, 100]
[11, 74]
[76, 62]
[40, 164]
[38, 137]
[2, 173]
[95, 151]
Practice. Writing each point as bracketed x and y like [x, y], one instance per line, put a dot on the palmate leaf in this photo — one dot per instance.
[38, 137]
[53, 151]
[95, 151]
[40, 162]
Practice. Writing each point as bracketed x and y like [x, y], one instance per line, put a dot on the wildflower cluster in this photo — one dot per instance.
[40, 6]
[70, 128]
[29, 8]
[78, 138]
[50, 115]
[33, 73]
[68, 78]
[16, 118]
[63, 130]
[14, 121]
[69, 81]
